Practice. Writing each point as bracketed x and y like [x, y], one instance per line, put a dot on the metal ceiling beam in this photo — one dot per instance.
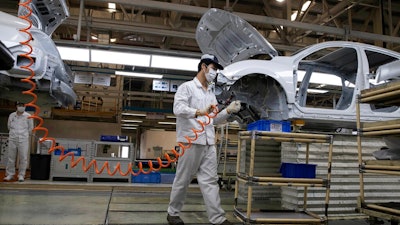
[120, 25]
[259, 19]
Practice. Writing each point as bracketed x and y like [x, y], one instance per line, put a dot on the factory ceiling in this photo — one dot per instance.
[169, 26]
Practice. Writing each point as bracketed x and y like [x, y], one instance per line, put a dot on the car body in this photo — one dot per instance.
[318, 84]
[53, 78]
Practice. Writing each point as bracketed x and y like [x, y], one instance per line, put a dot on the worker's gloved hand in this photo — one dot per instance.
[202, 112]
[234, 107]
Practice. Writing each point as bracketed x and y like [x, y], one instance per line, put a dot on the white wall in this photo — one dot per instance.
[156, 138]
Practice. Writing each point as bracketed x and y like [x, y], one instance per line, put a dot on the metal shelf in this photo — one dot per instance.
[250, 215]
[384, 95]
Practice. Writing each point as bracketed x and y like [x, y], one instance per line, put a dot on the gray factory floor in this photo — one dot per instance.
[60, 202]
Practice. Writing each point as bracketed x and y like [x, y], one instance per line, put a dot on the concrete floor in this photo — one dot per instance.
[44, 202]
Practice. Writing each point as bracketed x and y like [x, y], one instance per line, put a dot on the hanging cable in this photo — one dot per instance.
[93, 163]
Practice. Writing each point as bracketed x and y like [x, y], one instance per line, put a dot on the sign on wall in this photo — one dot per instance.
[160, 85]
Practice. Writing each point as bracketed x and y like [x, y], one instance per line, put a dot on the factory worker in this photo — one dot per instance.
[193, 100]
[20, 128]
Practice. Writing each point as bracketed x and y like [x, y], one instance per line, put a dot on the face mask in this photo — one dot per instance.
[20, 108]
[211, 75]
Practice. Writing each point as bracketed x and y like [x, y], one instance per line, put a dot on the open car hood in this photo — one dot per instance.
[47, 15]
[230, 38]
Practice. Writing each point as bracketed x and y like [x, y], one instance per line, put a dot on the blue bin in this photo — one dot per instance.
[76, 151]
[298, 170]
[270, 125]
[167, 178]
[112, 138]
[153, 177]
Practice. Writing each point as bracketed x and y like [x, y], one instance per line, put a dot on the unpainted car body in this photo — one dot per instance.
[53, 79]
[318, 84]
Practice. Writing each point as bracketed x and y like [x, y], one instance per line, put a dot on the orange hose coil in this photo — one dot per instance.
[87, 166]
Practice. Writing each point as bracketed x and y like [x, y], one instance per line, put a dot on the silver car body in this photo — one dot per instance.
[278, 88]
[53, 79]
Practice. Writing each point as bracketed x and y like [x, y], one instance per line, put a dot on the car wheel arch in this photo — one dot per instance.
[262, 94]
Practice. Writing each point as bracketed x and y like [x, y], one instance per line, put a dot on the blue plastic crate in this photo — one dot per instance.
[298, 170]
[167, 178]
[153, 177]
[270, 125]
[76, 151]
[112, 138]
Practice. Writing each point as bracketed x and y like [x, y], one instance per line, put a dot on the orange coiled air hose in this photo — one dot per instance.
[74, 162]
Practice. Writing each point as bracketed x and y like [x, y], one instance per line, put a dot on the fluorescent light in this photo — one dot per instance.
[113, 40]
[171, 117]
[132, 121]
[316, 91]
[305, 6]
[130, 125]
[293, 16]
[112, 5]
[169, 123]
[128, 128]
[104, 56]
[133, 74]
[133, 114]
[75, 54]
[177, 63]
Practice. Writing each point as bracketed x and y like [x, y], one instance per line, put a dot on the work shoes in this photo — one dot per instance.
[21, 178]
[226, 222]
[8, 178]
[175, 220]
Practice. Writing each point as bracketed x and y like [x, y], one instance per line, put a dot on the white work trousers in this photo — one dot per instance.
[20, 145]
[199, 160]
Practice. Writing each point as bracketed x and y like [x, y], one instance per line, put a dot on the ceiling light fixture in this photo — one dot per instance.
[112, 5]
[177, 63]
[132, 121]
[129, 125]
[144, 75]
[305, 6]
[133, 114]
[167, 123]
[124, 58]
[128, 128]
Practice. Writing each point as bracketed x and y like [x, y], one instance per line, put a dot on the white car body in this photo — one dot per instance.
[53, 79]
[280, 88]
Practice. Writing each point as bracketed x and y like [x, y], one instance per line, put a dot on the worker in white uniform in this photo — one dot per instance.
[193, 100]
[20, 128]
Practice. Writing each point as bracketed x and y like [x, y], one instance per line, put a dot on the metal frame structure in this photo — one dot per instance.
[252, 216]
[386, 95]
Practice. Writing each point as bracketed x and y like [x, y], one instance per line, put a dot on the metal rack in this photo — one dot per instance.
[226, 152]
[63, 169]
[3, 149]
[114, 156]
[385, 95]
[250, 215]
[92, 150]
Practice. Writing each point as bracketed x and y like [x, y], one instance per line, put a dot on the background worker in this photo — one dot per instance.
[20, 128]
[193, 100]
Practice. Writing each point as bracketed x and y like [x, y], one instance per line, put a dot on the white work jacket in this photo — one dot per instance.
[190, 97]
[20, 126]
